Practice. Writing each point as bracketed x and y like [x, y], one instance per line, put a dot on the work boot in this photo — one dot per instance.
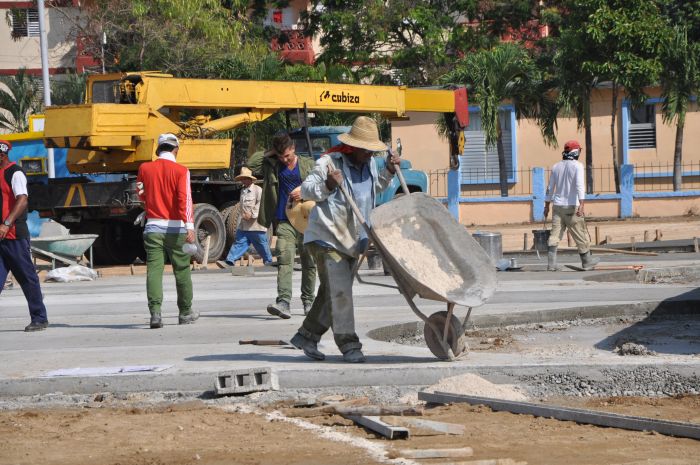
[552, 258]
[156, 321]
[307, 307]
[36, 327]
[309, 347]
[280, 309]
[188, 318]
[354, 356]
[588, 262]
[223, 264]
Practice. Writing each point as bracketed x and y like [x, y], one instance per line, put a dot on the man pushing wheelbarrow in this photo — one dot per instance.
[335, 236]
[426, 251]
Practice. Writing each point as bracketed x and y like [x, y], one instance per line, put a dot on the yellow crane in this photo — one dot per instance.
[116, 129]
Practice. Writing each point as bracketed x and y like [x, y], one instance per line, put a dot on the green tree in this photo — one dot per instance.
[411, 42]
[628, 35]
[68, 90]
[175, 36]
[680, 81]
[505, 73]
[20, 96]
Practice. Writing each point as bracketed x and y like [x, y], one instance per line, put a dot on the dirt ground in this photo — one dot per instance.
[195, 433]
[620, 231]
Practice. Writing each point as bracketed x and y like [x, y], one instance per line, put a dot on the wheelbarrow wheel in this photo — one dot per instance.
[455, 337]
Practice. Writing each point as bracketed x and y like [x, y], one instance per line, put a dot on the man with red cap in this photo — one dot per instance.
[15, 253]
[566, 191]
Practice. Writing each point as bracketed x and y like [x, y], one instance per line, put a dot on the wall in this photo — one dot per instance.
[25, 52]
[422, 145]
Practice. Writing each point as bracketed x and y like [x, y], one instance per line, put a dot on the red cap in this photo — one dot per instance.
[5, 146]
[571, 145]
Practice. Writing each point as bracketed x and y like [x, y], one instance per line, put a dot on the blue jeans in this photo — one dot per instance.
[243, 240]
[16, 256]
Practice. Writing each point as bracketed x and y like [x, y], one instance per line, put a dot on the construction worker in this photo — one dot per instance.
[282, 172]
[15, 253]
[249, 230]
[335, 236]
[566, 191]
[164, 187]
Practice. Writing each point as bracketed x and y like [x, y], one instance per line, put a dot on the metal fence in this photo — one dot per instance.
[659, 177]
[650, 177]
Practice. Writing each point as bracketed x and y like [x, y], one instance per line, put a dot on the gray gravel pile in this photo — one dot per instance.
[641, 381]
[632, 348]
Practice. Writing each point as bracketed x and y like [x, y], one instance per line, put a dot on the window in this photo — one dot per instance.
[25, 22]
[642, 132]
[479, 165]
[319, 145]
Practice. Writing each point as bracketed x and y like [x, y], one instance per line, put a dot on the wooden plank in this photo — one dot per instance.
[592, 417]
[438, 426]
[375, 424]
[436, 453]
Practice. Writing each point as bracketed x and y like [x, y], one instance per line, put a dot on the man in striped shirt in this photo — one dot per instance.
[566, 191]
[164, 187]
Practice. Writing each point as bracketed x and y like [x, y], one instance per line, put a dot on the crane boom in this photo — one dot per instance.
[116, 129]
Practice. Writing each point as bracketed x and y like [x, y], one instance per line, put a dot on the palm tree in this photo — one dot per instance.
[69, 90]
[505, 72]
[680, 80]
[20, 96]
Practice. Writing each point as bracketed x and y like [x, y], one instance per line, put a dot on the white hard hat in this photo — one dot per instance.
[168, 138]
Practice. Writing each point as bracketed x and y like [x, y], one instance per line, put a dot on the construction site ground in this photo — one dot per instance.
[597, 340]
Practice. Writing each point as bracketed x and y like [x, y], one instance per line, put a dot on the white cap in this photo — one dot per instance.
[168, 138]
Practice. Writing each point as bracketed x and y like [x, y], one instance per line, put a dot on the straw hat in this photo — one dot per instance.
[245, 173]
[298, 214]
[363, 134]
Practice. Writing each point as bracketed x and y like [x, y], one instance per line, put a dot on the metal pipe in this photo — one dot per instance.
[45, 76]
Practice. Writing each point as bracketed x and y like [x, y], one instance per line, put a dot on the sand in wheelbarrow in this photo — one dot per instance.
[421, 260]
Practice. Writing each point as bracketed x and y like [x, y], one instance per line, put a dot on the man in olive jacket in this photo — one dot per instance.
[283, 171]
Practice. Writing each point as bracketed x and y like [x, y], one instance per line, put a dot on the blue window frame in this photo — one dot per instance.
[479, 165]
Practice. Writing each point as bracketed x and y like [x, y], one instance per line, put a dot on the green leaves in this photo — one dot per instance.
[19, 97]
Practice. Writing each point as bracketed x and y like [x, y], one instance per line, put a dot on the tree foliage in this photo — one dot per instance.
[505, 73]
[409, 42]
[176, 36]
[20, 96]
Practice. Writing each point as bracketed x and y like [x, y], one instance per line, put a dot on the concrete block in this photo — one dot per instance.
[246, 380]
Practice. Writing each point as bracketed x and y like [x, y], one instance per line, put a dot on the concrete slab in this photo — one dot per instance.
[105, 323]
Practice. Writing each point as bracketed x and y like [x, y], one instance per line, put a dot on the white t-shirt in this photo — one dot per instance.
[19, 184]
[565, 186]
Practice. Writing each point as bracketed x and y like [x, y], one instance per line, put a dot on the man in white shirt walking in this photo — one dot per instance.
[566, 191]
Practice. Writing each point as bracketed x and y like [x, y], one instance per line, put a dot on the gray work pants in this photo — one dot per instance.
[333, 306]
[564, 217]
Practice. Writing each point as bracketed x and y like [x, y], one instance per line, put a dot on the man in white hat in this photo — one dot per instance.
[249, 230]
[164, 187]
[335, 236]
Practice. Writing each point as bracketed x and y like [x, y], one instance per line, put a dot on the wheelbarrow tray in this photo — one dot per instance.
[72, 245]
[431, 253]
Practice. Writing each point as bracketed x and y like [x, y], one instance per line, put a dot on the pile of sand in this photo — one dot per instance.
[473, 385]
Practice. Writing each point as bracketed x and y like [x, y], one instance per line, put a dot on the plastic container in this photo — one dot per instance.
[541, 238]
[189, 248]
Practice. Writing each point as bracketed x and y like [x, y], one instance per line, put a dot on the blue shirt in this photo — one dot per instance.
[288, 181]
[362, 191]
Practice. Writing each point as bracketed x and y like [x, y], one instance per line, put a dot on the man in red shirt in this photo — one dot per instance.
[164, 187]
[15, 253]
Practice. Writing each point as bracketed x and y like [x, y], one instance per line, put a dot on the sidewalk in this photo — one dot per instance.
[103, 324]
[618, 231]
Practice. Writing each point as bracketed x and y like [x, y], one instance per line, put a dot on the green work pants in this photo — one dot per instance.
[289, 240]
[333, 306]
[157, 246]
[563, 218]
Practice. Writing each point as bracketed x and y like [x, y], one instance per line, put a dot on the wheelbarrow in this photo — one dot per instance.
[66, 249]
[429, 254]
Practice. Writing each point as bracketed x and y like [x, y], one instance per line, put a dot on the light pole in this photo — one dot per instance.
[45, 76]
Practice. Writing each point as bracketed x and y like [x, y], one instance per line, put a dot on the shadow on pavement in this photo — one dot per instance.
[298, 356]
[672, 328]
